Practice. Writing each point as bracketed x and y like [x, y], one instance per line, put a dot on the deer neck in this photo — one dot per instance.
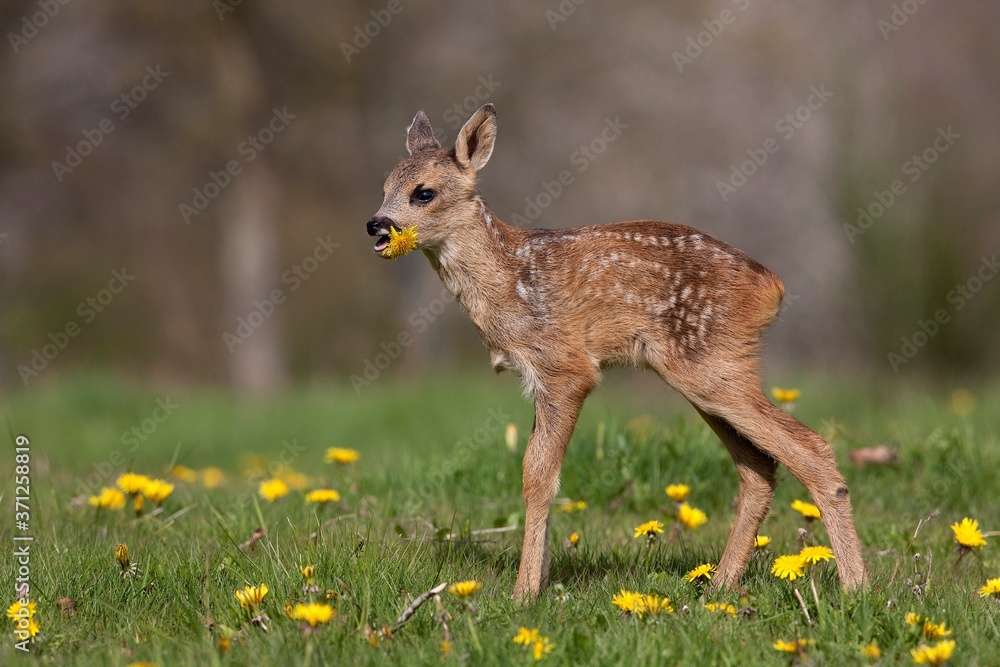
[475, 265]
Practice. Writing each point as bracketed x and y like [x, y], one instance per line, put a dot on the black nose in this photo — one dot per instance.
[379, 223]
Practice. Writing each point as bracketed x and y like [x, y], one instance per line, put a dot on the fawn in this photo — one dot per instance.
[558, 305]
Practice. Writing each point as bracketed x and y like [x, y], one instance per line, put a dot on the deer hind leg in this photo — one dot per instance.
[555, 419]
[807, 456]
[758, 477]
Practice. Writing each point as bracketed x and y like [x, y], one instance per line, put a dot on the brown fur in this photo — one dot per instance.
[557, 306]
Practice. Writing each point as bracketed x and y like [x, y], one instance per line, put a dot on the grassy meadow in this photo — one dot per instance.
[435, 498]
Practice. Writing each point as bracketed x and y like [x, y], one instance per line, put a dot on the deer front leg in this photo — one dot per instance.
[555, 419]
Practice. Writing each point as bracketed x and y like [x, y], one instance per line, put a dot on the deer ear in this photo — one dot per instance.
[475, 141]
[420, 134]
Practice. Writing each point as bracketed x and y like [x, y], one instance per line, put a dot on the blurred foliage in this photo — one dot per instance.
[350, 75]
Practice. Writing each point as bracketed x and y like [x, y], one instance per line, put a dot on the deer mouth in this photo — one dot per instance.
[382, 232]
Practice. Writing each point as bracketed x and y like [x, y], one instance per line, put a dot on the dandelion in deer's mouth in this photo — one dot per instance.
[397, 243]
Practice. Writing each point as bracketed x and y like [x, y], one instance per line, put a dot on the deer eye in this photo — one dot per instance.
[423, 195]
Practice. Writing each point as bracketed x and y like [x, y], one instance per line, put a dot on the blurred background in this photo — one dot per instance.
[184, 185]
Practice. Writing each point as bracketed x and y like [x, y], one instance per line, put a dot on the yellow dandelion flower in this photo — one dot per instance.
[526, 637]
[137, 504]
[184, 473]
[967, 534]
[761, 541]
[933, 655]
[813, 555]
[704, 571]
[309, 571]
[132, 483]
[913, 618]
[789, 567]
[251, 597]
[157, 490]
[510, 437]
[142, 664]
[721, 608]
[872, 651]
[121, 554]
[785, 395]
[992, 587]
[33, 627]
[253, 465]
[962, 402]
[654, 604]
[574, 538]
[400, 243]
[574, 506]
[342, 456]
[445, 648]
[313, 613]
[630, 602]
[294, 479]
[19, 610]
[109, 499]
[808, 510]
[542, 648]
[641, 428]
[691, 517]
[797, 646]
[224, 644]
[464, 589]
[322, 496]
[272, 489]
[678, 492]
[933, 630]
[649, 529]
[212, 478]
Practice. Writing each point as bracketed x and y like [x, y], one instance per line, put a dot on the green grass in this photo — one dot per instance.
[434, 462]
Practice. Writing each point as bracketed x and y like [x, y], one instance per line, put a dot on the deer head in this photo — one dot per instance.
[434, 190]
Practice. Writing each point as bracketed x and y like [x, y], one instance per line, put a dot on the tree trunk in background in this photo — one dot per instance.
[250, 272]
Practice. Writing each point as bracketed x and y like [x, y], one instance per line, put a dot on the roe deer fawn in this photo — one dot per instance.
[558, 305]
